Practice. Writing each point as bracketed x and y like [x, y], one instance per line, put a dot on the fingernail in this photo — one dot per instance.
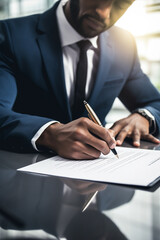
[118, 142]
[136, 144]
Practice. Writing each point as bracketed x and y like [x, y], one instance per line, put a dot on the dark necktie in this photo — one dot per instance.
[81, 77]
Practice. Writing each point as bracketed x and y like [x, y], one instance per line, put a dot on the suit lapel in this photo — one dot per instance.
[50, 47]
[105, 62]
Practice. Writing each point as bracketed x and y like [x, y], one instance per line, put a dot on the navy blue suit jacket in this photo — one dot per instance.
[32, 86]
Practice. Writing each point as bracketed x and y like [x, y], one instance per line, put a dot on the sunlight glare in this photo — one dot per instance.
[137, 20]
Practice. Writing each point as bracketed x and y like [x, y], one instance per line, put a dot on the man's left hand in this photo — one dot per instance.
[134, 126]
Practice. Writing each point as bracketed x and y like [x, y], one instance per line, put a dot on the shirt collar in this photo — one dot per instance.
[68, 34]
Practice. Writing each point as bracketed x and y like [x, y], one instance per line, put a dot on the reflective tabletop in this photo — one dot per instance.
[34, 206]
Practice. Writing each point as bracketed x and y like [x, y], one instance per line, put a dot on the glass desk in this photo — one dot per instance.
[42, 207]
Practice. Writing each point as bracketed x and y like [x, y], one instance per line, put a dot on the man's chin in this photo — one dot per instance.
[89, 33]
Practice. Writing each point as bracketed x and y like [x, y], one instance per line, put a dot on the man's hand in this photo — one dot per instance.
[134, 126]
[79, 139]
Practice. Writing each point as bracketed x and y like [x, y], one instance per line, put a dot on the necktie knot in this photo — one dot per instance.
[84, 45]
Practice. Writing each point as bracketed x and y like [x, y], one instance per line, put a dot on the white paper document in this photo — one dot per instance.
[134, 167]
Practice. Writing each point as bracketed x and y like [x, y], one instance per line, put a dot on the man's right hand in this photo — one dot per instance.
[79, 139]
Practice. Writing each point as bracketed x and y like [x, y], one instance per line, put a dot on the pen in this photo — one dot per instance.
[95, 119]
[89, 200]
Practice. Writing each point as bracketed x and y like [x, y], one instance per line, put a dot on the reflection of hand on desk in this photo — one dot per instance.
[144, 144]
[83, 187]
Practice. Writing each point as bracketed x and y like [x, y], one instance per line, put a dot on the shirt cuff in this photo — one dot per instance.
[38, 134]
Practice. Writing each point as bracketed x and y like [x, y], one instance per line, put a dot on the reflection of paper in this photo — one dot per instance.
[134, 166]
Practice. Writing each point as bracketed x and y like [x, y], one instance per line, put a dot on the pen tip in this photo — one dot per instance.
[117, 156]
[84, 102]
[85, 207]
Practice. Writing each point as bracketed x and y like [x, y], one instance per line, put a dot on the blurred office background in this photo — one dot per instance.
[142, 20]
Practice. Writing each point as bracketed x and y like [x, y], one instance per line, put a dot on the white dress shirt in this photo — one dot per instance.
[69, 37]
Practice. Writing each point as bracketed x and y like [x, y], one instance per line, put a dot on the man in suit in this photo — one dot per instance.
[38, 62]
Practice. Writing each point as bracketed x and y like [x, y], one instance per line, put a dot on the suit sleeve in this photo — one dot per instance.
[139, 92]
[16, 129]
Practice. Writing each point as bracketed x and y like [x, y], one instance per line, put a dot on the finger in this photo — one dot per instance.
[112, 133]
[116, 128]
[98, 144]
[103, 134]
[136, 138]
[82, 156]
[95, 136]
[121, 136]
[82, 151]
[151, 138]
[92, 152]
